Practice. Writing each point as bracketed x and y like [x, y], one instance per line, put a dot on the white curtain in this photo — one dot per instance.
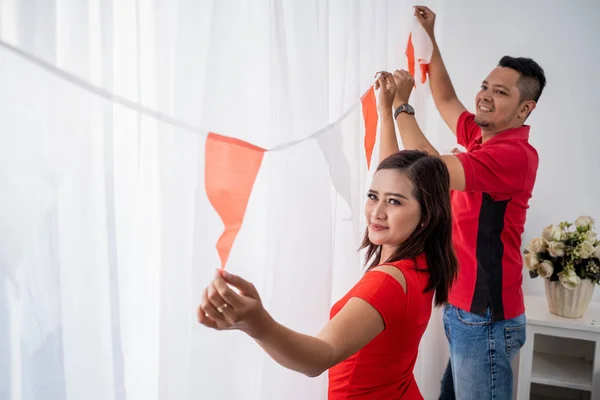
[107, 237]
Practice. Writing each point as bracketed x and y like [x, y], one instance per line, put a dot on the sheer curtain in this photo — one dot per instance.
[107, 235]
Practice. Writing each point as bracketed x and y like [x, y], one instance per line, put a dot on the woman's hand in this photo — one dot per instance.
[224, 309]
[387, 90]
[404, 86]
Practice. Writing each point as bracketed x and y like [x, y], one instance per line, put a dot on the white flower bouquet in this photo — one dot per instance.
[567, 252]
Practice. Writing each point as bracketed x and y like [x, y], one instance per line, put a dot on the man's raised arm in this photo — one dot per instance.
[443, 93]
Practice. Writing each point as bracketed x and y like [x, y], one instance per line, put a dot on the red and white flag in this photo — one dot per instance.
[231, 166]
[418, 51]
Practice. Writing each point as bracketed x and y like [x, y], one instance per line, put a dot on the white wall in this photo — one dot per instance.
[563, 37]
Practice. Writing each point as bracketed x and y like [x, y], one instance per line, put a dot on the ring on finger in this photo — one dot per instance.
[222, 308]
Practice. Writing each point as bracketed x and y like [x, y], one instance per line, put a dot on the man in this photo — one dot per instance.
[492, 183]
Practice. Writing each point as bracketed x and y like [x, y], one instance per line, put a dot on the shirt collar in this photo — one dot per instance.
[521, 133]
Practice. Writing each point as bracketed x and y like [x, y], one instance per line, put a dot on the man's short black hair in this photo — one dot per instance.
[532, 80]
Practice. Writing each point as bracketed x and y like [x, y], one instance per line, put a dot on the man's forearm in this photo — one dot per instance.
[388, 143]
[411, 135]
[442, 89]
[302, 353]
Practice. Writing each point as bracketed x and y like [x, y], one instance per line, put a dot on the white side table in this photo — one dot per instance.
[581, 373]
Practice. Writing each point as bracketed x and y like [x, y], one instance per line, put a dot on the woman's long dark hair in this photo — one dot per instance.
[431, 184]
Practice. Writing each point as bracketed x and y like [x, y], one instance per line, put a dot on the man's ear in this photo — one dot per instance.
[526, 108]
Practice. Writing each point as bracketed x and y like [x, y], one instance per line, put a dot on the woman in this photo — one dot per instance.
[371, 341]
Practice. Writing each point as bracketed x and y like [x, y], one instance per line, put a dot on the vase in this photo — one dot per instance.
[569, 303]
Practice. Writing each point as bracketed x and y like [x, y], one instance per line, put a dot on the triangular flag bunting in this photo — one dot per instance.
[410, 56]
[419, 49]
[231, 166]
[370, 116]
[339, 167]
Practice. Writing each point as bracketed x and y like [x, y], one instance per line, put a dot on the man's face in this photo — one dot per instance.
[498, 101]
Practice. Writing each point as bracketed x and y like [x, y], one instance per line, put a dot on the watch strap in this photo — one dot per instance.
[404, 108]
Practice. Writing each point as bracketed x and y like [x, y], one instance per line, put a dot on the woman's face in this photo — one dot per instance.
[392, 212]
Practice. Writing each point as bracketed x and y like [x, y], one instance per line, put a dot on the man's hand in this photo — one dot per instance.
[404, 86]
[426, 18]
[443, 92]
[387, 90]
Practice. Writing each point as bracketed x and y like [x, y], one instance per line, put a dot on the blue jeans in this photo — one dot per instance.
[480, 354]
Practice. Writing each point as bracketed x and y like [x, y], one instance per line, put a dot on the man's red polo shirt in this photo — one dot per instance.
[488, 219]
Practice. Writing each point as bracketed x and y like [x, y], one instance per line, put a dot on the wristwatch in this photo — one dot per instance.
[407, 108]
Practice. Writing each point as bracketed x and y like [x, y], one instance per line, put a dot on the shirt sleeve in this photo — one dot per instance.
[466, 129]
[384, 293]
[500, 168]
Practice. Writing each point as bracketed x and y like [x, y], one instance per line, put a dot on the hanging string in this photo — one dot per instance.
[100, 92]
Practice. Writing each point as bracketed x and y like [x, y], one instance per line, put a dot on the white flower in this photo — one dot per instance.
[531, 261]
[597, 252]
[569, 279]
[584, 220]
[586, 249]
[591, 236]
[545, 269]
[557, 233]
[547, 233]
[537, 245]
[556, 249]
